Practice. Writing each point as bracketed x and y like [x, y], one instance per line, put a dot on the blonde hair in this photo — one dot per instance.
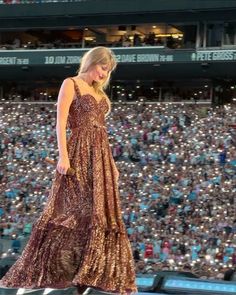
[99, 55]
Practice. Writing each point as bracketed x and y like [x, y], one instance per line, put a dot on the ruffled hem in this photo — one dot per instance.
[108, 262]
[104, 261]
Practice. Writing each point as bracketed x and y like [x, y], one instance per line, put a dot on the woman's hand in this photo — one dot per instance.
[63, 165]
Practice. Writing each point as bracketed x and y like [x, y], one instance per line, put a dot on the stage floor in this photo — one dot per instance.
[69, 291]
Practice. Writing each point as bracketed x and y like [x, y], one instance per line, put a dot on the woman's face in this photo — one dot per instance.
[99, 72]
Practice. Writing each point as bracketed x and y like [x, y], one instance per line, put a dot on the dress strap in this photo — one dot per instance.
[76, 88]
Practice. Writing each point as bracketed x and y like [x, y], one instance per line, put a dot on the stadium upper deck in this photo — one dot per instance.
[161, 41]
[118, 12]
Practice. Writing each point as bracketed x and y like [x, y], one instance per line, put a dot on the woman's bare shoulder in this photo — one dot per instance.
[77, 81]
[70, 82]
[67, 90]
[75, 78]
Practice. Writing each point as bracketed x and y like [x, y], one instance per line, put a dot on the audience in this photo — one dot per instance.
[177, 182]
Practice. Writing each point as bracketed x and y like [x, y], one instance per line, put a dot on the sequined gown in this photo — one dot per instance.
[80, 237]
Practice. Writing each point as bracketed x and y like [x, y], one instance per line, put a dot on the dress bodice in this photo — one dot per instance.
[86, 111]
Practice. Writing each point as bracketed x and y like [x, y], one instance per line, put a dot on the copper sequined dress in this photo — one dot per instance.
[80, 237]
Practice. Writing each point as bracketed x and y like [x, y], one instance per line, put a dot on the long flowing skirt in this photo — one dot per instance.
[80, 237]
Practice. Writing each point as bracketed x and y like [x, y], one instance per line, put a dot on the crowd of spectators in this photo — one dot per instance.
[128, 93]
[123, 41]
[177, 182]
[19, 95]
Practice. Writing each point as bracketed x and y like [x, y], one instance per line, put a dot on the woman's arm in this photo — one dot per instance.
[65, 97]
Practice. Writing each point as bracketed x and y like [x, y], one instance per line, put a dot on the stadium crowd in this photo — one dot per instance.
[177, 180]
[118, 92]
[126, 40]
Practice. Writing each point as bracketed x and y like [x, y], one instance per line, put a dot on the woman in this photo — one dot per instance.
[80, 238]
